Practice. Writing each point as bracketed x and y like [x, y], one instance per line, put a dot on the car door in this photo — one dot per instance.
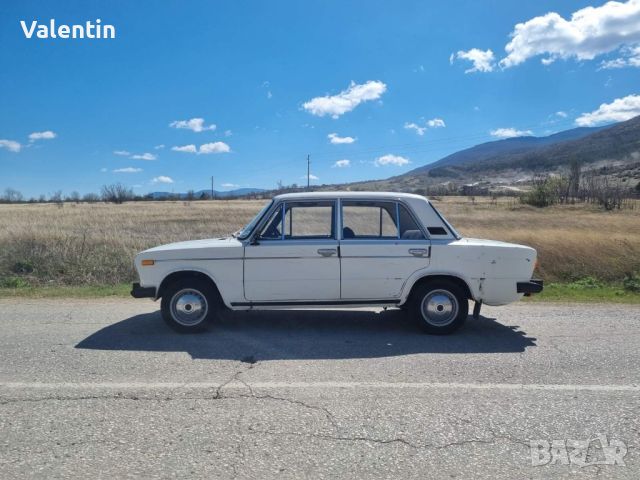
[381, 246]
[295, 255]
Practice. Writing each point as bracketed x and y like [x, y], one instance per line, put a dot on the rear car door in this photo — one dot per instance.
[381, 245]
[295, 256]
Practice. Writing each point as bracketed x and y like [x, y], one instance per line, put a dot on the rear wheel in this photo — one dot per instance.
[190, 305]
[439, 307]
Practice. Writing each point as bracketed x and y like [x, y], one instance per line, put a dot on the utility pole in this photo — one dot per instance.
[212, 188]
[308, 171]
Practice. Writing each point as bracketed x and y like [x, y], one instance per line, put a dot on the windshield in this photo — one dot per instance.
[244, 233]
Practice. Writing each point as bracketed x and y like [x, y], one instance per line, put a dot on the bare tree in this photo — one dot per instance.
[116, 193]
[11, 195]
[74, 197]
[56, 197]
[91, 197]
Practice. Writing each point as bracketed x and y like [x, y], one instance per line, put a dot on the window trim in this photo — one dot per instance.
[282, 205]
[382, 239]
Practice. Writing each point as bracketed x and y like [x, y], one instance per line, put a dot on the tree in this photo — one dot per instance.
[74, 197]
[56, 197]
[91, 197]
[116, 193]
[12, 195]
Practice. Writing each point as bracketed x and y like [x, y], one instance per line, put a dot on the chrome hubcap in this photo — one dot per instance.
[189, 307]
[439, 308]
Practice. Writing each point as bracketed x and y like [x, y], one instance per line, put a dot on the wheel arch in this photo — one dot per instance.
[186, 274]
[432, 278]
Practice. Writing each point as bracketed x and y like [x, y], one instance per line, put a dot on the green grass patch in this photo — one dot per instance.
[585, 291]
[101, 291]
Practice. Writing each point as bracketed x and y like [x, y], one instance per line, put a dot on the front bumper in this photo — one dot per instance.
[532, 286]
[142, 292]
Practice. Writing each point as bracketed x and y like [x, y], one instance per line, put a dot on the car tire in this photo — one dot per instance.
[439, 308]
[190, 305]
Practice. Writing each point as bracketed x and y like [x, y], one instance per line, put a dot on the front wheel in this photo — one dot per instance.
[189, 305]
[439, 308]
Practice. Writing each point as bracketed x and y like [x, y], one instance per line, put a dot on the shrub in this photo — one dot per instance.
[586, 282]
[631, 282]
[22, 267]
[13, 282]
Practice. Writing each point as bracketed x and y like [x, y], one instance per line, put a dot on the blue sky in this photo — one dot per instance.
[396, 76]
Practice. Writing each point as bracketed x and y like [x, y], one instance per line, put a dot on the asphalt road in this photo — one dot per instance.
[102, 389]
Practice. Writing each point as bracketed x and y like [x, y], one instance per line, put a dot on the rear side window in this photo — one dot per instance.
[374, 220]
[409, 229]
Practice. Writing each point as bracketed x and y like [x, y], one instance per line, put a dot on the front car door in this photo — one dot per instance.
[295, 255]
[381, 246]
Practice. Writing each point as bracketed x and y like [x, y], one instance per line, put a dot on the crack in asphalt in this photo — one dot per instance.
[399, 440]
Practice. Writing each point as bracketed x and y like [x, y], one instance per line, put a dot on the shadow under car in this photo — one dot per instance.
[306, 334]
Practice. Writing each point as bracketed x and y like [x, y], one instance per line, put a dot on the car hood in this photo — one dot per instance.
[218, 247]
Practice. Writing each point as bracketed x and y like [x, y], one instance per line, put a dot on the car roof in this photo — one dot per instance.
[347, 194]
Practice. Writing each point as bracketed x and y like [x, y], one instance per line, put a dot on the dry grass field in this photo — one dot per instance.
[93, 244]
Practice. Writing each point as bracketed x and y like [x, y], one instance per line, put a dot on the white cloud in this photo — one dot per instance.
[228, 133]
[230, 185]
[46, 135]
[269, 95]
[207, 148]
[414, 126]
[420, 130]
[510, 133]
[215, 147]
[185, 148]
[482, 60]
[337, 140]
[103, 170]
[630, 58]
[342, 163]
[346, 100]
[591, 31]
[390, 159]
[311, 177]
[561, 114]
[122, 153]
[144, 156]
[10, 145]
[619, 110]
[194, 124]
[162, 179]
[159, 147]
[127, 170]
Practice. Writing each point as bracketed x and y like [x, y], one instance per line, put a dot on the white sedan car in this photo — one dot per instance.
[337, 249]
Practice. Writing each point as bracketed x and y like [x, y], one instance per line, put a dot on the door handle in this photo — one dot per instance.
[418, 252]
[327, 252]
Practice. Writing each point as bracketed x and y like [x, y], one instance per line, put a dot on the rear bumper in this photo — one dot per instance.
[532, 286]
[142, 292]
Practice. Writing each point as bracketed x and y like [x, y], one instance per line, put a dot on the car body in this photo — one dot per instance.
[338, 249]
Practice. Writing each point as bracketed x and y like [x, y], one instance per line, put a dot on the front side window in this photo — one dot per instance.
[370, 220]
[299, 221]
[308, 220]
